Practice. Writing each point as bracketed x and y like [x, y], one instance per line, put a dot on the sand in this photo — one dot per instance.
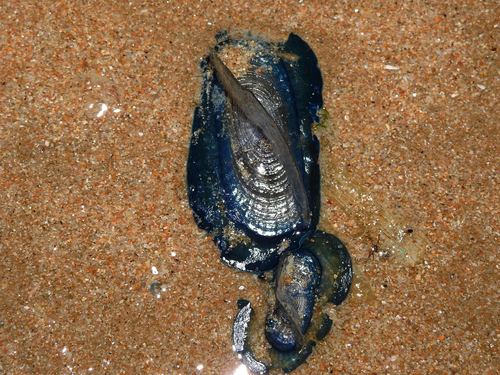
[96, 109]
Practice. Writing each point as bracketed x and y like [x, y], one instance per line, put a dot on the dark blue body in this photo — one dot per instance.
[210, 171]
[314, 266]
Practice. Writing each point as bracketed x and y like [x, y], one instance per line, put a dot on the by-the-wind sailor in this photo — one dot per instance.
[254, 185]
[253, 176]
[306, 279]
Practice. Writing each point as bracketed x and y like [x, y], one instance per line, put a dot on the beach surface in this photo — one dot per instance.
[102, 267]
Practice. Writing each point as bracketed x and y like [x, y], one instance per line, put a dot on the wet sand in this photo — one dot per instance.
[96, 109]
